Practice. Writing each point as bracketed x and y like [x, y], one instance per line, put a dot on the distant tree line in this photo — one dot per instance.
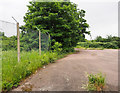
[109, 38]
[100, 42]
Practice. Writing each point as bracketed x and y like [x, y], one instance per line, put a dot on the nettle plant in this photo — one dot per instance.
[96, 82]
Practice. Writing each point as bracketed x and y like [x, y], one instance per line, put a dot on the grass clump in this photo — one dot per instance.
[96, 82]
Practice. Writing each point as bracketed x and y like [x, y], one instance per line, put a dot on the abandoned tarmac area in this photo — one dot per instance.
[68, 74]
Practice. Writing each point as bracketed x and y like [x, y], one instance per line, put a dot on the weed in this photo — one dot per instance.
[96, 82]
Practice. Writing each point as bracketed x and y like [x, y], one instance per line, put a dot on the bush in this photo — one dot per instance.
[57, 47]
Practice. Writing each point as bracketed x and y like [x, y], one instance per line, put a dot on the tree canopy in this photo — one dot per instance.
[62, 20]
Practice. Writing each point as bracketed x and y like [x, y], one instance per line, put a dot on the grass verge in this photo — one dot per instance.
[13, 72]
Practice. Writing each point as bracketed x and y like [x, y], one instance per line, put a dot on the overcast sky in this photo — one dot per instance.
[101, 15]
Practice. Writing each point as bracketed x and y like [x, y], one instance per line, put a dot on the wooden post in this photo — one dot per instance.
[18, 42]
[39, 42]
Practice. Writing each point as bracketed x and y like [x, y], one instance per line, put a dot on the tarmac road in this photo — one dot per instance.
[68, 74]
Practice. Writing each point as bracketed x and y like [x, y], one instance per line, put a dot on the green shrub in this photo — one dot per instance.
[57, 47]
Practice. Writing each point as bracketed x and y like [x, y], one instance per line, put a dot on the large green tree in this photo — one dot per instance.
[62, 20]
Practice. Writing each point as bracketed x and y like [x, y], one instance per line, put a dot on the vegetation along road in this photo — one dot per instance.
[68, 74]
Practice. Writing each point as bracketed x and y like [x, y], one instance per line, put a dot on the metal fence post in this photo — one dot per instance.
[39, 42]
[18, 42]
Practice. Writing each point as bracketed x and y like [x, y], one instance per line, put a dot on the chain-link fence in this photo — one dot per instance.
[29, 39]
[45, 41]
[8, 28]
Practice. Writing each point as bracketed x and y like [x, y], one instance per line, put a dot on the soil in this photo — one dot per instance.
[68, 74]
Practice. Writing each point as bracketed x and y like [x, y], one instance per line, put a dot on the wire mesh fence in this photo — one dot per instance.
[8, 28]
[29, 40]
[45, 41]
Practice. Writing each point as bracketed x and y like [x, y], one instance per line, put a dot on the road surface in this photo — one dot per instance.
[68, 74]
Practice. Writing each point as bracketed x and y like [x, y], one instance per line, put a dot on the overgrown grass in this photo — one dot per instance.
[13, 72]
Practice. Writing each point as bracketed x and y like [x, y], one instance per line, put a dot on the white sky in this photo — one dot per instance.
[101, 15]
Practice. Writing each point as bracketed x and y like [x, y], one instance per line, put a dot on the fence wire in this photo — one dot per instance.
[30, 40]
[8, 28]
[45, 41]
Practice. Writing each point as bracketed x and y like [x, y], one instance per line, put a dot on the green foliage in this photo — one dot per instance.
[95, 82]
[108, 45]
[52, 0]
[57, 47]
[1, 33]
[99, 42]
[62, 20]
[27, 43]
[9, 43]
[13, 72]
[109, 38]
